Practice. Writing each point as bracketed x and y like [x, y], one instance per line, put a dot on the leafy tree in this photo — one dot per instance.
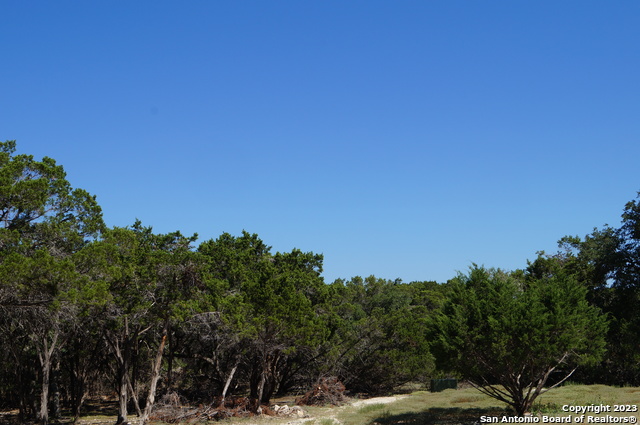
[38, 207]
[282, 316]
[511, 335]
[269, 301]
[607, 262]
[153, 280]
[378, 339]
[628, 271]
[43, 223]
[222, 337]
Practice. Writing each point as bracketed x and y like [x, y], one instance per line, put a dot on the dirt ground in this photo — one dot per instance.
[333, 412]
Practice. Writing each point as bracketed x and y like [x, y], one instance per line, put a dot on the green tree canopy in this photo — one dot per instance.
[38, 206]
[607, 262]
[43, 224]
[378, 332]
[511, 335]
[269, 301]
[153, 280]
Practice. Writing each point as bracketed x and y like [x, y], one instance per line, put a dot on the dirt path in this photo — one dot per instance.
[377, 400]
[332, 413]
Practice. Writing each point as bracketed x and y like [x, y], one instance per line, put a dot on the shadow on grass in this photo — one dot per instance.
[98, 412]
[440, 415]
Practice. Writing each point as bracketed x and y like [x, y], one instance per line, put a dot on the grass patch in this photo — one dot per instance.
[466, 399]
[439, 416]
[449, 407]
[466, 406]
[371, 408]
[546, 408]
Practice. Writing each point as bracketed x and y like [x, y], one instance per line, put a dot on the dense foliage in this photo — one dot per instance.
[130, 314]
[607, 263]
[515, 337]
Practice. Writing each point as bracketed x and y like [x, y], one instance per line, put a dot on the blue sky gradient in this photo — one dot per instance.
[404, 139]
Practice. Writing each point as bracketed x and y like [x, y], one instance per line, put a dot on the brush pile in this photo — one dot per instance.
[171, 409]
[326, 391]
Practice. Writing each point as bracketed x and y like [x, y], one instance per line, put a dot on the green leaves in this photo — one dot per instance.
[379, 333]
[38, 204]
[269, 302]
[44, 224]
[272, 293]
[515, 330]
[607, 263]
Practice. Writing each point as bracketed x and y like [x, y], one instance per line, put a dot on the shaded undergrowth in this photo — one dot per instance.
[439, 415]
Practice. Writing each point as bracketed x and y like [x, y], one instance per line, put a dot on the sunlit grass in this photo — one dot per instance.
[449, 407]
[371, 408]
[467, 405]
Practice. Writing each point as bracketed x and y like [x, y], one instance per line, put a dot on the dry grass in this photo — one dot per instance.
[466, 406]
[450, 407]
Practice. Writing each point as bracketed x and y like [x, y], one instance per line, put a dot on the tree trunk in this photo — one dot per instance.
[77, 384]
[55, 390]
[122, 393]
[43, 414]
[155, 376]
[22, 389]
[254, 378]
[77, 404]
[45, 354]
[260, 390]
[170, 362]
[228, 382]
[122, 359]
[271, 370]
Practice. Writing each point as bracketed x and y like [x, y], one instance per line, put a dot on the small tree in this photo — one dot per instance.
[511, 336]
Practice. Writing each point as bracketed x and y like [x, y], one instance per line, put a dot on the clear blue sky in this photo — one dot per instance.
[405, 139]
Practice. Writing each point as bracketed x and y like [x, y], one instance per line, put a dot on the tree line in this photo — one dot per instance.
[89, 310]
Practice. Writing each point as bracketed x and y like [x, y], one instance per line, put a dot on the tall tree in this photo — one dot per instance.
[43, 222]
[515, 337]
[282, 315]
[378, 338]
[607, 262]
[269, 301]
[153, 280]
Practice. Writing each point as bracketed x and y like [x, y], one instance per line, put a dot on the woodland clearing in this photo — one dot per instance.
[449, 407]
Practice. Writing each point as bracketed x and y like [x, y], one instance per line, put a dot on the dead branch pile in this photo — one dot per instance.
[171, 410]
[326, 391]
